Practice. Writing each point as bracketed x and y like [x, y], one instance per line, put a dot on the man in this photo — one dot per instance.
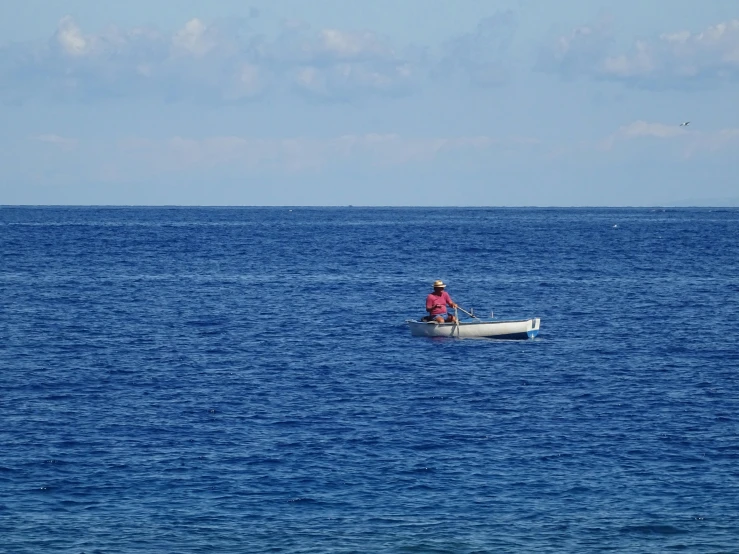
[436, 304]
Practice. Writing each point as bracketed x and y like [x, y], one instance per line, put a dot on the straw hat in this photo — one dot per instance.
[439, 284]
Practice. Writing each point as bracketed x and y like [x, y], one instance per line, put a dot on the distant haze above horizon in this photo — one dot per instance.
[370, 103]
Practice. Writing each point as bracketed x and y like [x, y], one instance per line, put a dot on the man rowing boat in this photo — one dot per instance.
[436, 304]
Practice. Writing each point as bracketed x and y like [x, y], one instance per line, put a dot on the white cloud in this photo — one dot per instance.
[194, 39]
[338, 65]
[70, 38]
[674, 59]
[65, 143]
[710, 54]
[299, 44]
[228, 61]
[221, 61]
[347, 45]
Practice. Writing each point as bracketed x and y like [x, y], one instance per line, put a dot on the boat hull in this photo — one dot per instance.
[513, 330]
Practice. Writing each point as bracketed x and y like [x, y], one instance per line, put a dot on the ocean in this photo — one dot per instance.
[238, 380]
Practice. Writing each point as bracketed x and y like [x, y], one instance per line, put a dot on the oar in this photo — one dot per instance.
[466, 312]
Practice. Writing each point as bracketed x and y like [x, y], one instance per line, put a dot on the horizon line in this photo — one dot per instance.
[377, 206]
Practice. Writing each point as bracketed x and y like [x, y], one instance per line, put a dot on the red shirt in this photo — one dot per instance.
[434, 298]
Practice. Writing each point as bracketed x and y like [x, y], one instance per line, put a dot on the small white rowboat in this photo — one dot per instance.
[501, 329]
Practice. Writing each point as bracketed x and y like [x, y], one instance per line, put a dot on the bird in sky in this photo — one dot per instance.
[685, 124]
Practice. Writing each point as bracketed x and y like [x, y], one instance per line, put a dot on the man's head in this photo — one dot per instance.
[439, 285]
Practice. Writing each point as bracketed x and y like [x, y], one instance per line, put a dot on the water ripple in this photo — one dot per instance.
[241, 380]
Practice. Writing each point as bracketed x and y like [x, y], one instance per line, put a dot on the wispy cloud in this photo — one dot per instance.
[671, 60]
[645, 129]
[724, 139]
[482, 56]
[578, 52]
[64, 143]
[305, 154]
[691, 142]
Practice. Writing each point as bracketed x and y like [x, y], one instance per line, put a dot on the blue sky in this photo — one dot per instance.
[335, 102]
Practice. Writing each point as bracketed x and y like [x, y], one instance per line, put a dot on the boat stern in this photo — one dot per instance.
[533, 329]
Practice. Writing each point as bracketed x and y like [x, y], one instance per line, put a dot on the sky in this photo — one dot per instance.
[369, 102]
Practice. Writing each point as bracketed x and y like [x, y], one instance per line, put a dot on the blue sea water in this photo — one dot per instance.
[208, 380]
